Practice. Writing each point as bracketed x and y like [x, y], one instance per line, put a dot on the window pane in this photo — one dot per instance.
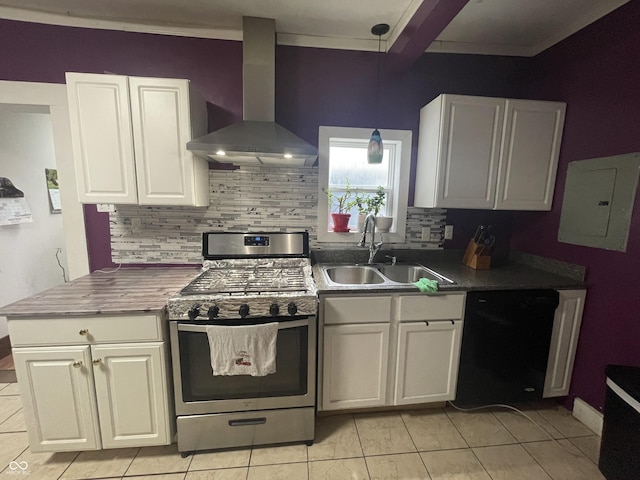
[351, 163]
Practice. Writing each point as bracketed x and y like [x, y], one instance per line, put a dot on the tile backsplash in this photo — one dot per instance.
[250, 198]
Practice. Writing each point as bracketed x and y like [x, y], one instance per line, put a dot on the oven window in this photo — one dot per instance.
[199, 383]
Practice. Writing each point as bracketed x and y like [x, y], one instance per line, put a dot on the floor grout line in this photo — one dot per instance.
[570, 447]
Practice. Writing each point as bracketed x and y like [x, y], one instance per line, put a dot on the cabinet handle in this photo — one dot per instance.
[97, 361]
[84, 331]
[77, 363]
[426, 323]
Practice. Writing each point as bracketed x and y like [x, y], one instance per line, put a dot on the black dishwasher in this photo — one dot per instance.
[505, 346]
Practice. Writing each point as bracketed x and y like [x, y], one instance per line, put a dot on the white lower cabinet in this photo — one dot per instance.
[427, 361]
[131, 395]
[395, 359]
[355, 365]
[564, 342]
[59, 401]
[92, 395]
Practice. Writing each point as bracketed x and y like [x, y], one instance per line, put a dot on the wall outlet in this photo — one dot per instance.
[136, 224]
[426, 234]
[448, 232]
[106, 207]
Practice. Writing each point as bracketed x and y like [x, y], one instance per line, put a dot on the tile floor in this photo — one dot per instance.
[430, 444]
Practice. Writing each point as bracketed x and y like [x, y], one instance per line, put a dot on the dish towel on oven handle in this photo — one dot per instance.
[243, 350]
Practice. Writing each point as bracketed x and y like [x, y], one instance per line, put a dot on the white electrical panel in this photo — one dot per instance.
[598, 201]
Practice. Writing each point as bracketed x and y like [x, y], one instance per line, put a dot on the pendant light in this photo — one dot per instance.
[375, 149]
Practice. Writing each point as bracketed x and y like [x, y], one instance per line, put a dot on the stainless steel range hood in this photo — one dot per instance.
[257, 139]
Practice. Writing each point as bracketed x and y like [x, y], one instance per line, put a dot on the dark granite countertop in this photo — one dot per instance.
[504, 275]
[138, 290]
[127, 290]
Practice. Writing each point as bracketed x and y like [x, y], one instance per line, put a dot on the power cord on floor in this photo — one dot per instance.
[500, 405]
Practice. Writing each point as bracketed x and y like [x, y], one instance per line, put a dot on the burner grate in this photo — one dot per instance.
[253, 280]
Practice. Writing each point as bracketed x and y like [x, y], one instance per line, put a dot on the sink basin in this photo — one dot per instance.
[378, 274]
[411, 273]
[353, 275]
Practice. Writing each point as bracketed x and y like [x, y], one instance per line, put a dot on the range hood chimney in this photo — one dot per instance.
[257, 140]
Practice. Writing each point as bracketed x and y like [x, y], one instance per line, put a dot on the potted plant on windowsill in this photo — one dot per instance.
[343, 203]
[373, 204]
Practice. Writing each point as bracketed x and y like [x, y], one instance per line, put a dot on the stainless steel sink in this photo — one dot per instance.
[353, 275]
[378, 274]
[411, 273]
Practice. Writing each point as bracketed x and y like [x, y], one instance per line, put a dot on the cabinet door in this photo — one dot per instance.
[464, 154]
[101, 137]
[56, 384]
[529, 154]
[428, 359]
[564, 341]
[160, 111]
[355, 366]
[132, 394]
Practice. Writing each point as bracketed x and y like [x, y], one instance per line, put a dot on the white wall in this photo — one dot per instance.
[28, 262]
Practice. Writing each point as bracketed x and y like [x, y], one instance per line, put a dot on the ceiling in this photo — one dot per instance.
[500, 27]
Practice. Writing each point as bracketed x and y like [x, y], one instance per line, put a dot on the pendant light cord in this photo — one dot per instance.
[379, 30]
[378, 85]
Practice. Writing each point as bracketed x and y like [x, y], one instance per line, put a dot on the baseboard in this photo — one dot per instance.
[588, 415]
[5, 347]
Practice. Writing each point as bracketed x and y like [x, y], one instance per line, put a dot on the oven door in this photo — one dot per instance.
[198, 391]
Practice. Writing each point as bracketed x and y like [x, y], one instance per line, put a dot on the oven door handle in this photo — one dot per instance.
[187, 327]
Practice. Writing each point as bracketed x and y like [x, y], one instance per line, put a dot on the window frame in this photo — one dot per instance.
[400, 188]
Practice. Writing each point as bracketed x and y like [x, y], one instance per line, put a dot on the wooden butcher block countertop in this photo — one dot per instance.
[127, 290]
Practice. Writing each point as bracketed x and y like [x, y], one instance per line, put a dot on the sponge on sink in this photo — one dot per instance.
[426, 285]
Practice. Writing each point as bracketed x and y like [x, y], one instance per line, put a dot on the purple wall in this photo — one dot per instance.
[43, 53]
[317, 87]
[597, 72]
[314, 86]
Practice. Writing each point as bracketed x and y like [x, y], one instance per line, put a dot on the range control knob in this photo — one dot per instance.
[292, 308]
[194, 311]
[244, 310]
[274, 309]
[213, 312]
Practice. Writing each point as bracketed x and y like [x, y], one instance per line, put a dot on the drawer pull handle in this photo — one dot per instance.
[247, 421]
[426, 323]
[77, 363]
[84, 331]
[97, 361]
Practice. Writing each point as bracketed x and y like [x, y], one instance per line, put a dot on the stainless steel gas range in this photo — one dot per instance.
[247, 279]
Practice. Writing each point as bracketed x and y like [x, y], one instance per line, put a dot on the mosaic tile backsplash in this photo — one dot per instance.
[250, 198]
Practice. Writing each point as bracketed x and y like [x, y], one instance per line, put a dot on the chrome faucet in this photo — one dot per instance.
[373, 247]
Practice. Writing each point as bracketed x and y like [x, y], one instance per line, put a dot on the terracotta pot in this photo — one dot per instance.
[340, 222]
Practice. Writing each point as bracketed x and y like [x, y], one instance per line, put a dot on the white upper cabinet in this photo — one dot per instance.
[129, 140]
[102, 138]
[488, 153]
[458, 152]
[529, 154]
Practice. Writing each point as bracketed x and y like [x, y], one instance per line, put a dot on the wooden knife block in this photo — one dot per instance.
[477, 256]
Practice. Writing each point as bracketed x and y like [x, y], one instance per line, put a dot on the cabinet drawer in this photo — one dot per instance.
[357, 310]
[85, 330]
[432, 307]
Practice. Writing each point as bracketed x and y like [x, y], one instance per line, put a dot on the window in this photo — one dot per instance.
[343, 158]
